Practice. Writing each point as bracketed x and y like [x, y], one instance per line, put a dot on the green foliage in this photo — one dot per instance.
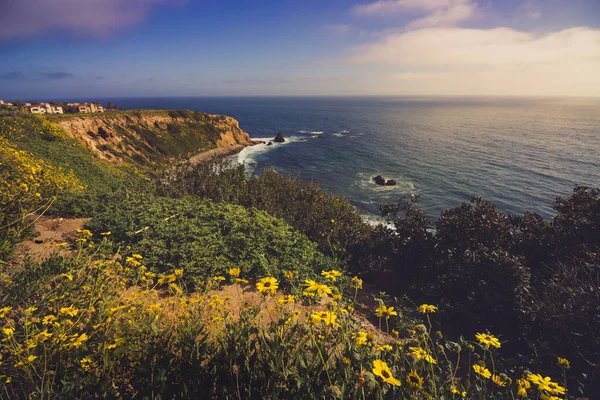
[328, 220]
[205, 238]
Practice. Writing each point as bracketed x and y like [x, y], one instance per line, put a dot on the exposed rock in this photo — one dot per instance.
[120, 136]
[279, 138]
[390, 182]
[379, 180]
[270, 144]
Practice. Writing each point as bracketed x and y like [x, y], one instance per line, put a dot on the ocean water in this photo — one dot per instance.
[518, 153]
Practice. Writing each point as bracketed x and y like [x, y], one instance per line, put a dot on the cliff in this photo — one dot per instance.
[149, 137]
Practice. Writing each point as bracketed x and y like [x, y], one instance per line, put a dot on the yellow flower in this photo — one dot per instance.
[85, 233]
[290, 274]
[382, 347]
[4, 311]
[546, 384]
[293, 317]
[498, 380]
[287, 299]
[332, 275]
[332, 221]
[219, 278]
[117, 342]
[383, 311]
[267, 285]
[79, 340]
[63, 244]
[152, 308]
[133, 261]
[488, 340]
[67, 276]
[8, 332]
[427, 308]
[178, 272]
[421, 354]
[106, 233]
[48, 319]
[522, 386]
[563, 362]
[86, 363]
[319, 288]
[381, 370]
[234, 272]
[44, 335]
[536, 379]
[545, 396]
[240, 280]
[414, 380]
[483, 371]
[327, 317]
[362, 338]
[458, 392]
[137, 256]
[70, 311]
[356, 283]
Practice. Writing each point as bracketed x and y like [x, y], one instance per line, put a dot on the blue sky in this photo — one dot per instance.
[117, 48]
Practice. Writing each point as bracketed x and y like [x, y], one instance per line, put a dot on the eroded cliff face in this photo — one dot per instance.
[148, 137]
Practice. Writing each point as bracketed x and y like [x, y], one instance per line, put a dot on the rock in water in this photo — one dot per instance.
[269, 144]
[379, 180]
[390, 182]
[279, 138]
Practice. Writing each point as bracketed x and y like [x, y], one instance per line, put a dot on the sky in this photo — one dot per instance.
[146, 48]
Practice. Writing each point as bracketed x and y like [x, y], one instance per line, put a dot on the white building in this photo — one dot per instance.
[43, 108]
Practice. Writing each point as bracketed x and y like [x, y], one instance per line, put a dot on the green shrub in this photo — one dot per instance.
[328, 220]
[205, 238]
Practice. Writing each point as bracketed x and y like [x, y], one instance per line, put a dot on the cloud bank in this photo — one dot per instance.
[98, 18]
[433, 54]
[489, 61]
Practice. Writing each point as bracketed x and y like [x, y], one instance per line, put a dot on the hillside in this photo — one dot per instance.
[220, 284]
[146, 136]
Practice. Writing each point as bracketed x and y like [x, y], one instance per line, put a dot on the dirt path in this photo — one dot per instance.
[50, 231]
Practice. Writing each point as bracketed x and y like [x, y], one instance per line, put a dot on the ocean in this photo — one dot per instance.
[518, 153]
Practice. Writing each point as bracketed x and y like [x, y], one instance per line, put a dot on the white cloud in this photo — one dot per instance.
[492, 61]
[437, 12]
[24, 18]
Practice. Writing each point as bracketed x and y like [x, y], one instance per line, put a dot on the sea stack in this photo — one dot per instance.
[279, 138]
[379, 180]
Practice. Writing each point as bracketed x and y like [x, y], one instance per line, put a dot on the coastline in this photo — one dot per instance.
[219, 153]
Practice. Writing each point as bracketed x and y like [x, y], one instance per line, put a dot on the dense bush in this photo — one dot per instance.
[537, 282]
[328, 220]
[206, 239]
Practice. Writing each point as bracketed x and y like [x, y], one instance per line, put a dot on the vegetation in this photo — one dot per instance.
[207, 239]
[328, 220]
[209, 283]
